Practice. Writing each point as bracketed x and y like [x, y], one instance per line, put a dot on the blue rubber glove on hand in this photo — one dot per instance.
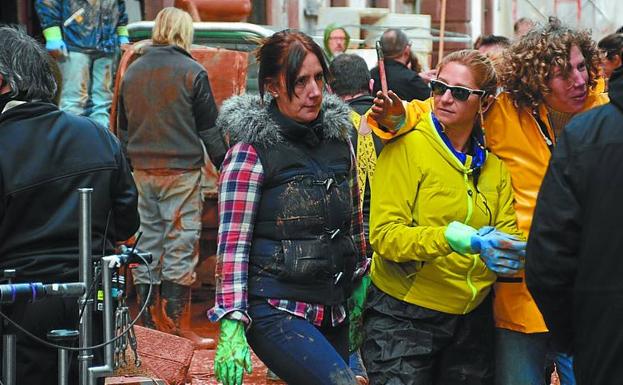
[54, 43]
[502, 253]
[123, 35]
[232, 357]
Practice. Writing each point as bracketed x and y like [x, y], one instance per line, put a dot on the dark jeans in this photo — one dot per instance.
[406, 344]
[521, 359]
[36, 363]
[296, 350]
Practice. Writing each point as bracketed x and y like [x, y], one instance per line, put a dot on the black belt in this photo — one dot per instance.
[510, 279]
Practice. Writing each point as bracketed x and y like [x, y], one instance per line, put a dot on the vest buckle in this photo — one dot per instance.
[328, 183]
[334, 233]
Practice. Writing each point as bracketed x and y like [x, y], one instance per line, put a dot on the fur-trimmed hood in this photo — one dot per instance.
[244, 119]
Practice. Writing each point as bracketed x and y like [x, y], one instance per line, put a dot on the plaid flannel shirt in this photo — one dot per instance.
[240, 188]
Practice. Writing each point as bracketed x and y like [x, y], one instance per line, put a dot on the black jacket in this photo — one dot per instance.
[407, 84]
[46, 155]
[166, 108]
[302, 247]
[574, 258]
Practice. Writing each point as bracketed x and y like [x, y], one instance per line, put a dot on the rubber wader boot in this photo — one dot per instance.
[176, 305]
[150, 315]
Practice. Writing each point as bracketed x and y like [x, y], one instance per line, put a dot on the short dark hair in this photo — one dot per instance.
[620, 30]
[520, 21]
[24, 66]
[349, 75]
[284, 52]
[612, 45]
[393, 42]
[484, 40]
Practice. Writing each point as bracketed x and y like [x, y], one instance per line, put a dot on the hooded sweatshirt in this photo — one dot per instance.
[327, 34]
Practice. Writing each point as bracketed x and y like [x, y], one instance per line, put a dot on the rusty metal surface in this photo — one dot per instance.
[216, 10]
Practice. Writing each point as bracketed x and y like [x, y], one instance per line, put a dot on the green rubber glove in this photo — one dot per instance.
[459, 237]
[122, 35]
[232, 357]
[356, 305]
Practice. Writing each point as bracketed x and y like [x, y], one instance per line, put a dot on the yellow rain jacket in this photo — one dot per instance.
[514, 136]
[419, 188]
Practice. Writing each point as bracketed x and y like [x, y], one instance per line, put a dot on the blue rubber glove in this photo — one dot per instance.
[232, 356]
[123, 35]
[54, 43]
[502, 253]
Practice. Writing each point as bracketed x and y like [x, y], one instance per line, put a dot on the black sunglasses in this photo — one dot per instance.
[459, 93]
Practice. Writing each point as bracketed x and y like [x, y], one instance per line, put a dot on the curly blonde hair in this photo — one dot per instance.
[529, 63]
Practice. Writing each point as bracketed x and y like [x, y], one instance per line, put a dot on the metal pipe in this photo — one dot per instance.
[442, 31]
[8, 359]
[107, 368]
[63, 367]
[85, 275]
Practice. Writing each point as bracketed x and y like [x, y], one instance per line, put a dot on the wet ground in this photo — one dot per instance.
[201, 370]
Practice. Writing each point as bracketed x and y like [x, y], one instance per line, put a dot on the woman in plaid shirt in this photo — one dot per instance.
[291, 247]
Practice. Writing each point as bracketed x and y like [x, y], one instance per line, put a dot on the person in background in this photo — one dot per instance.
[611, 47]
[166, 115]
[541, 96]
[573, 266]
[83, 36]
[291, 247]
[522, 26]
[443, 228]
[492, 45]
[350, 80]
[336, 40]
[47, 155]
[407, 84]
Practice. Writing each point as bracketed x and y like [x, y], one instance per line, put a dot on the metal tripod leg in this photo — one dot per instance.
[8, 359]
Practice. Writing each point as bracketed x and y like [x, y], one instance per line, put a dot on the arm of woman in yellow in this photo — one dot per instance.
[390, 122]
[394, 234]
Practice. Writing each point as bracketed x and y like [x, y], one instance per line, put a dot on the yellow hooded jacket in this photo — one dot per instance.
[513, 135]
[418, 189]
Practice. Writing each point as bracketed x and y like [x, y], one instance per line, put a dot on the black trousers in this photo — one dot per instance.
[406, 344]
[37, 363]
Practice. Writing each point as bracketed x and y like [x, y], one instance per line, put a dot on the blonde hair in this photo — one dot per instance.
[174, 27]
[483, 71]
[480, 65]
